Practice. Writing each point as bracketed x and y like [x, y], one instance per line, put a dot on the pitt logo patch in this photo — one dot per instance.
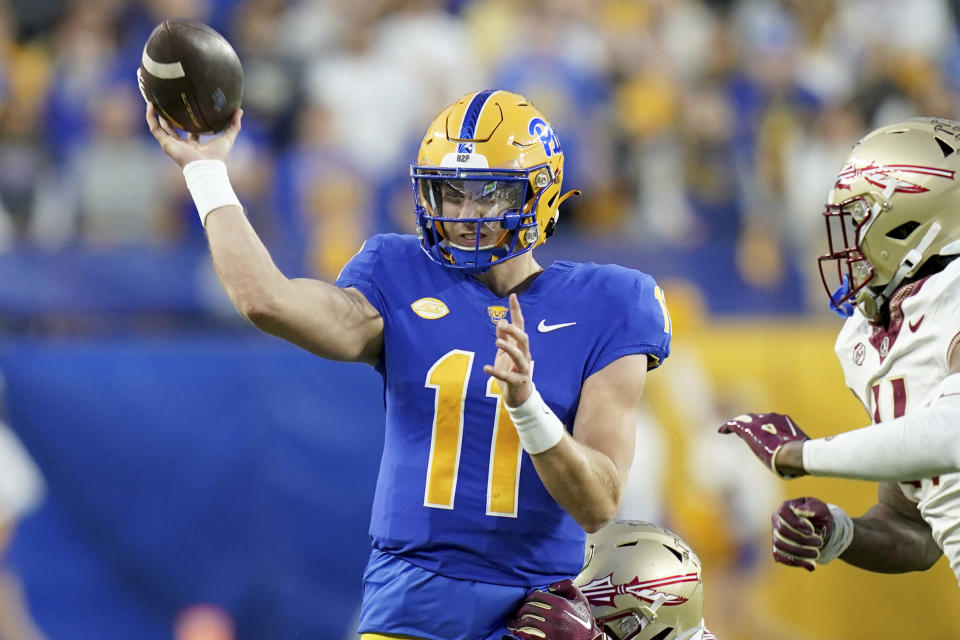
[497, 313]
[430, 308]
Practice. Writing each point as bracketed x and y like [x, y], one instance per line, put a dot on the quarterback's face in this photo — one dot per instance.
[477, 199]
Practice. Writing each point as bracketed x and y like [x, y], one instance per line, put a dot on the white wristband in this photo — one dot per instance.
[841, 537]
[538, 427]
[210, 186]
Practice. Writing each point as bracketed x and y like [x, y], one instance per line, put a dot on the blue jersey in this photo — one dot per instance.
[456, 493]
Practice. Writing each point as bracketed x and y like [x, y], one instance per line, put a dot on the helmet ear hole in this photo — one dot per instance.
[550, 228]
[903, 231]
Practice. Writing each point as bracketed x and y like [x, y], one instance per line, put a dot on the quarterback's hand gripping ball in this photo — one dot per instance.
[191, 75]
[765, 434]
[562, 613]
[801, 529]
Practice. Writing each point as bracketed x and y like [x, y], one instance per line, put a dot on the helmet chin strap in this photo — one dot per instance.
[911, 260]
[650, 611]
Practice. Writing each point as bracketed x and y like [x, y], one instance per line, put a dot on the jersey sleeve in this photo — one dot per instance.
[642, 325]
[360, 272]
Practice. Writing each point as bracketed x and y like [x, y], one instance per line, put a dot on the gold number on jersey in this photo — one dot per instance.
[503, 481]
[449, 377]
[658, 294]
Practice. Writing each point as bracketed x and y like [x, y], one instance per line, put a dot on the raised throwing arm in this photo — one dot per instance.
[335, 323]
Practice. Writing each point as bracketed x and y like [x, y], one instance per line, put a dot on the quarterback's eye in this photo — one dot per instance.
[508, 194]
[451, 193]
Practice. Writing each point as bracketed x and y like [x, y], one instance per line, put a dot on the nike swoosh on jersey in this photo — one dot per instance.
[543, 327]
[916, 325]
[580, 621]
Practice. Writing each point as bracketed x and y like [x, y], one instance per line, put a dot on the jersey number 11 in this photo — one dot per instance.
[449, 377]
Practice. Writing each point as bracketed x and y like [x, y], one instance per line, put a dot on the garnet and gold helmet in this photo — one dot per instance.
[643, 583]
[894, 206]
[487, 181]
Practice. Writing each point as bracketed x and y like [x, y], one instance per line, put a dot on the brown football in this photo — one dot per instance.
[192, 76]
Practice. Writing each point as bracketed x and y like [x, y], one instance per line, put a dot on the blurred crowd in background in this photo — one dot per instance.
[686, 123]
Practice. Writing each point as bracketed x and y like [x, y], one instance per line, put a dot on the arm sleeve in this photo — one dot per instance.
[360, 272]
[643, 326]
[921, 444]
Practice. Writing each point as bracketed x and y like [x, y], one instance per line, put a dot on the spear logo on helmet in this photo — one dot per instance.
[602, 591]
[878, 175]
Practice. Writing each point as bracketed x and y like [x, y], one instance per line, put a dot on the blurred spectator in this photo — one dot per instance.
[120, 188]
[328, 195]
[26, 173]
[560, 64]
[84, 59]
[270, 88]
[373, 100]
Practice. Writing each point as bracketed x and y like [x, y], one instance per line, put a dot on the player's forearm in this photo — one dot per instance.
[585, 482]
[318, 316]
[885, 543]
[922, 444]
[243, 264]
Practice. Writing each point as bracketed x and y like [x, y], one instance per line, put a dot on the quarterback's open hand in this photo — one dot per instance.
[766, 434]
[186, 150]
[513, 365]
[562, 613]
[801, 528]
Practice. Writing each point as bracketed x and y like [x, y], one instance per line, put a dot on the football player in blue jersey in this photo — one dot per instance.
[511, 389]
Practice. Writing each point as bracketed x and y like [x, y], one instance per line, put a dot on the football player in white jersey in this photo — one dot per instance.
[639, 582]
[893, 227]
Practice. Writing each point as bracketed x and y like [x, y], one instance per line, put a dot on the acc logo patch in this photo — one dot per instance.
[497, 313]
[859, 353]
[430, 308]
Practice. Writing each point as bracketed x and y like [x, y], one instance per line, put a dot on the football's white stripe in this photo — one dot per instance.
[162, 70]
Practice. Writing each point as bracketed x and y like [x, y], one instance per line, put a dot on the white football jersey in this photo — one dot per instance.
[898, 370]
